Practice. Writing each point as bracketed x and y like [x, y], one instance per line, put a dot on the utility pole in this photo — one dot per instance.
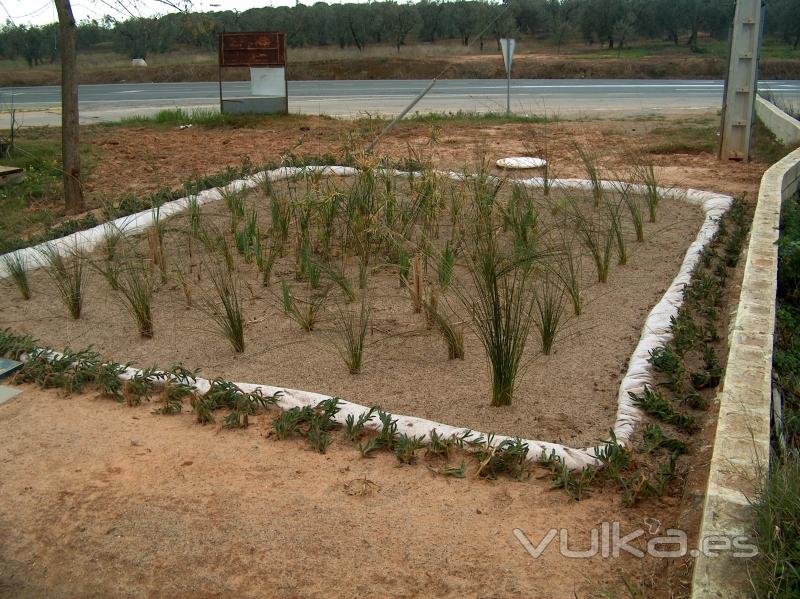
[741, 82]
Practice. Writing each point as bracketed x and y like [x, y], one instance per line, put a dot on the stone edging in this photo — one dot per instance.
[655, 331]
[742, 443]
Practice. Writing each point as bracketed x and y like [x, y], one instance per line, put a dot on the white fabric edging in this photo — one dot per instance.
[655, 332]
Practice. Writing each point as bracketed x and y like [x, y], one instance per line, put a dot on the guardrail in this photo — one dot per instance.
[742, 443]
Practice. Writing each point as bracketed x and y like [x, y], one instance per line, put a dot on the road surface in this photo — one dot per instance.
[566, 97]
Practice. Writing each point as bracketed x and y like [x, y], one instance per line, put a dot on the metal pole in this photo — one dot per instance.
[508, 92]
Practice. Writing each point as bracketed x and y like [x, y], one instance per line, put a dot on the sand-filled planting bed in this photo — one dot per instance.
[392, 236]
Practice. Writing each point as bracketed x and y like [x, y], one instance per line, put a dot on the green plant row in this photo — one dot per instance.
[688, 363]
[131, 203]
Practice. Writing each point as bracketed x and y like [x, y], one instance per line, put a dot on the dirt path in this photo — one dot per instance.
[102, 500]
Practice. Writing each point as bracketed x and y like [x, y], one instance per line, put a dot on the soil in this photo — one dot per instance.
[102, 500]
[568, 397]
[168, 157]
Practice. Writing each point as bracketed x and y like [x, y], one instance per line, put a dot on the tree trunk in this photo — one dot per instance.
[70, 132]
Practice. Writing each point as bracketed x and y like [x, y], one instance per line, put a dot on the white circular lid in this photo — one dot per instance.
[521, 162]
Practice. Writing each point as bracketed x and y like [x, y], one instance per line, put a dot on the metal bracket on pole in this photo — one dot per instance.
[742, 81]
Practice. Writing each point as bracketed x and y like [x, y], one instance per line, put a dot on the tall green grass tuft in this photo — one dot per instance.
[598, 238]
[351, 335]
[16, 264]
[224, 307]
[136, 289]
[549, 312]
[589, 161]
[501, 307]
[67, 274]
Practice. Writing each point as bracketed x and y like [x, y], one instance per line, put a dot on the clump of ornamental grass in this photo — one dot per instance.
[215, 244]
[549, 301]
[136, 288]
[67, 275]
[338, 278]
[614, 211]
[447, 262]
[568, 270]
[598, 238]
[155, 241]
[305, 312]
[351, 335]
[644, 172]
[234, 201]
[501, 307]
[224, 306]
[635, 210]
[195, 217]
[112, 236]
[589, 160]
[452, 333]
[17, 266]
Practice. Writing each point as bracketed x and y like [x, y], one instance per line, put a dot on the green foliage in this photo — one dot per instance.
[228, 395]
[314, 423]
[354, 428]
[654, 404]
[12, 346]
[509, 456]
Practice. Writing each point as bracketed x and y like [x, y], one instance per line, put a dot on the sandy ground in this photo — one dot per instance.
[102, 500]
[168, 157]
[568, 397]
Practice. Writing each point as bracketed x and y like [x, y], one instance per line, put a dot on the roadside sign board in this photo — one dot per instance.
[252, 49]
[508, 45]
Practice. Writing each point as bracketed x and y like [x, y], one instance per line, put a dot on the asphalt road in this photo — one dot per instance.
[566, 97]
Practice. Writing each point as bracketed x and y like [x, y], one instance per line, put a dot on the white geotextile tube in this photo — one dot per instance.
[655, 333]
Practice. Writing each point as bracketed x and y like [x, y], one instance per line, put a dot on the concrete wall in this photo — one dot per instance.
[785, 128]
[742, 443]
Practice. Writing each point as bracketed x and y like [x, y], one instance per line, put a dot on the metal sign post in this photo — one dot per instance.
[265, 53]
[507, 45]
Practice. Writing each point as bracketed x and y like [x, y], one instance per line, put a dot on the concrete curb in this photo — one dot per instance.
[742, 444]
[785, 128]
